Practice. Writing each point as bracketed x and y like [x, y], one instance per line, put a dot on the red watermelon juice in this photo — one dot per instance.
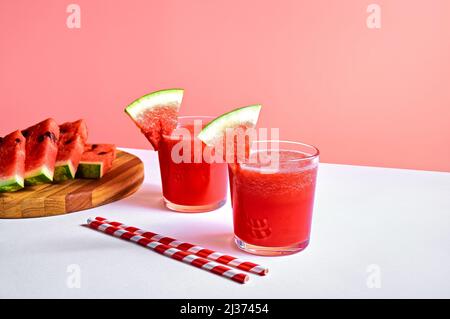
[272, 209]
[189, 183]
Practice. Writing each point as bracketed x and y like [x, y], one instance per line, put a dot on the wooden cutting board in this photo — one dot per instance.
[124, 178]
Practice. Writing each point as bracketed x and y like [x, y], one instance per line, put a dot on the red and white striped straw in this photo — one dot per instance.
[168, 251]
[194, 249]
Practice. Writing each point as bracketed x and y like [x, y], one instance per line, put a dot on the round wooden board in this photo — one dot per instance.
[124, 178]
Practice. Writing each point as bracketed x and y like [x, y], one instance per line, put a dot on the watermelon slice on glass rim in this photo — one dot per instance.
[156, 113]
[226, 133]
[12, 162]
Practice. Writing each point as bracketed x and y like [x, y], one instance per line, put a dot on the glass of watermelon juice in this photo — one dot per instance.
[191, 185]
[272, 208]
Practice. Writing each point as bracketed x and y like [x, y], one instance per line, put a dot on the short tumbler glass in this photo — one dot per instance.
[194, 185]
[272, 207]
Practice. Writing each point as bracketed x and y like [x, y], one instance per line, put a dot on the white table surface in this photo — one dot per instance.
[388, 227]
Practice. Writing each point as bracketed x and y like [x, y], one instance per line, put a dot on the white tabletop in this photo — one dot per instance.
[377, 233]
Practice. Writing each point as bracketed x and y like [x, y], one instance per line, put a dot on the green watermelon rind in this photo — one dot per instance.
[11, 184]
[92, 170]
[64, 171]
[243, 116]
[38, 176]
[168, 97]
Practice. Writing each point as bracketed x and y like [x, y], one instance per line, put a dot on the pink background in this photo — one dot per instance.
[369, 97]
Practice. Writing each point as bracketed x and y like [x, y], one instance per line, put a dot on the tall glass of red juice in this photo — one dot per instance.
[273, 205]
[189, 183]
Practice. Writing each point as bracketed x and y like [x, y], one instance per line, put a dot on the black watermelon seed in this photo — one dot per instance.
[63, 131]
[17, 140]
[94, 146]
[68, 142]
[1, 140]
[40, 138]
[25, 133]
[51, 136]
[102, 153]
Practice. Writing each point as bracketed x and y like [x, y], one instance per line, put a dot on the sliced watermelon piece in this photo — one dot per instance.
[71, 143]
[96, 160]
[156, 114]
[237, 122]
[41, 150]
[12, 162]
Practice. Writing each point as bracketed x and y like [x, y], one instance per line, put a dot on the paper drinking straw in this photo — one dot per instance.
[168, 251]
[194, 249]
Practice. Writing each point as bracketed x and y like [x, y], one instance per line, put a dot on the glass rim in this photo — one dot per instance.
[315, 154]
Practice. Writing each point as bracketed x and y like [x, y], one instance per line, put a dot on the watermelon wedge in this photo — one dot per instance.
[71, 142]
[237, 121]
[41, 150]
[96, 160]
[156, 113]
[12, 162]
